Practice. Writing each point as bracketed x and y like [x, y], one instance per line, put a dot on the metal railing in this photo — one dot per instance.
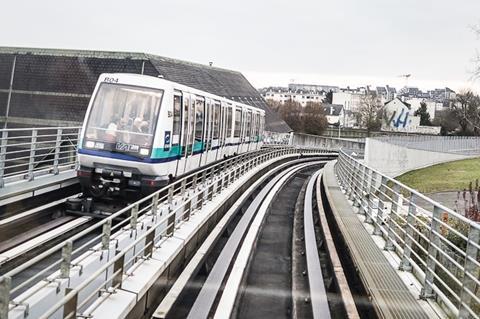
[31, 152]
[150, 221]
[440, 246]
[462, 145]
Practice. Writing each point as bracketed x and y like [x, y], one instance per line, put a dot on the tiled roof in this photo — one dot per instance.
[56, 84]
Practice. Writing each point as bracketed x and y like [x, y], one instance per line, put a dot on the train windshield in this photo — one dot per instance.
[123, 119]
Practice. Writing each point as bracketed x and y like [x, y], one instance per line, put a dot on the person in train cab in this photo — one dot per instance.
[137, 125]
[112, 128]
[140, 128]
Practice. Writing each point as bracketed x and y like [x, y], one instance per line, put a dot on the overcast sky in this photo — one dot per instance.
[272, 42]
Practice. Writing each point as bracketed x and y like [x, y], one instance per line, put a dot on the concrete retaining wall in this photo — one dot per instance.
[394, 160]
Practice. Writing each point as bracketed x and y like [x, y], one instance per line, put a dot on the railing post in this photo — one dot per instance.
[468, 284]
[106, 232]
[118, 267]
[371, 191]
[409, 233]
[5, 287]
[70, 307]
[170, 195]
[155, 204]
[194, 181]
[31, 160]
[149, 243]
[393, 214]
[58, 143]
[183, 187]
[187, 210]
[3, 156]
[434, 242]
[66, 259]
[134, 217]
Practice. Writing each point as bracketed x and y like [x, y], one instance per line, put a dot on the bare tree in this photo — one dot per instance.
[467, 110]
[370, 112]
[309, 119]
[314, 119]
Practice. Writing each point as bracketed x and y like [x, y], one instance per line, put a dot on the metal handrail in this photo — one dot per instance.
[448, 267]
[26, 153]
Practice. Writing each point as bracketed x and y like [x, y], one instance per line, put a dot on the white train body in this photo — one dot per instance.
[141, 131]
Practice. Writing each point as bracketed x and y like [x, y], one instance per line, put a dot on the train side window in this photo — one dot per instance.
[229, 121]
[199, 119]
[216, 120]
[177, 124]
[238, 123]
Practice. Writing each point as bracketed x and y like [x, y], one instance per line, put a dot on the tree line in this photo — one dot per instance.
[309, 119]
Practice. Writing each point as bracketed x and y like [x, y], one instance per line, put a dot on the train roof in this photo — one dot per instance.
[156, 82]
[54, 86]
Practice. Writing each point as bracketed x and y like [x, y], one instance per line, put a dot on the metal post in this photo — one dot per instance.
[434, 242]
[194, 181]
[170, 195]
[371, 191]
[149, 243]
[187, 210]
[66, 259]
[183, 187]
[70, 307]
[106, 232]
[379, 220]
[364, 192]
[58, 143]
[3, 156]
[31, 162]
[10, 89]
[134, 217]
[155, 204]
[5, 287]
[118, 267]
[407, 249]
[468, 284]
[393, 214]
[170, 223]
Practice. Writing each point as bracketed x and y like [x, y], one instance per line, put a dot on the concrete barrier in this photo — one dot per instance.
[394, 160]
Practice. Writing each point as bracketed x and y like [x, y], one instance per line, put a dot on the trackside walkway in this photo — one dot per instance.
[389, 295]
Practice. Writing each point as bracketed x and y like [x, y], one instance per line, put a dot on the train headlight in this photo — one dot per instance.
[90, 144]
[144, 151]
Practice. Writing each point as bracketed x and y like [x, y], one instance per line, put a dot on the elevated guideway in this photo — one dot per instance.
[140, 255]
[140, 261]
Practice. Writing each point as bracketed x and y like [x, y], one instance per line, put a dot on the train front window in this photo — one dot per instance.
[123, 119]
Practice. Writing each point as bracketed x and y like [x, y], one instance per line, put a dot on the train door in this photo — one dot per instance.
[248, 136]
[228, 131]
[208, 137]
[185, 136]
[223, 113]
[242, 132]
[196, 112]
[177, 127]
[216, 129]
[237, 130]
[199, 140]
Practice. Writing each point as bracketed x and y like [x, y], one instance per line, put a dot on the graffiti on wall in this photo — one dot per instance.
[399, 120]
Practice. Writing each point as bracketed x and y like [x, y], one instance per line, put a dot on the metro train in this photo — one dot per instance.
[141, 132]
